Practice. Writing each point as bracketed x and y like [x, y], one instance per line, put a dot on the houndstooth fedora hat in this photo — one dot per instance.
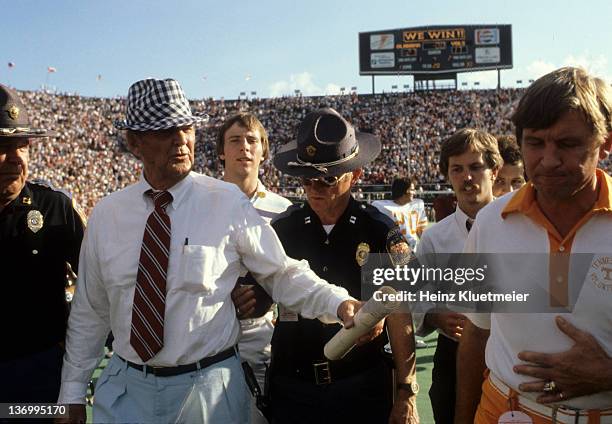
[157, 105]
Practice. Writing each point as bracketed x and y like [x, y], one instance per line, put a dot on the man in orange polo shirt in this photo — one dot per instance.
[545, 368]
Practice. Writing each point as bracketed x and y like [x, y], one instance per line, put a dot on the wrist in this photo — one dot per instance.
[410, 388]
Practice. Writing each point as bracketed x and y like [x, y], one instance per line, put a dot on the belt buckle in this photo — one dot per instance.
[155, 370]
[322, 373]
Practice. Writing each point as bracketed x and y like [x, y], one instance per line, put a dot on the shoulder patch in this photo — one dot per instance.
[398, 248]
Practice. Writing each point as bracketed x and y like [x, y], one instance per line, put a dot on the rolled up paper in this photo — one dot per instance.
[365, 319]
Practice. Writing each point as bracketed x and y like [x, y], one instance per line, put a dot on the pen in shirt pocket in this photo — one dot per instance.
[186, 243]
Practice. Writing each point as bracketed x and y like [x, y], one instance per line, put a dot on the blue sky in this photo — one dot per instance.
[221, 48]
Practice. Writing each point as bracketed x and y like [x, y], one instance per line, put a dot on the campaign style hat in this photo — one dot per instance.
[157, 105]
[326, 145]
[14, 118]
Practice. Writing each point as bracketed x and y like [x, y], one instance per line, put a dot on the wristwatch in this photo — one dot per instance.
[411, 387]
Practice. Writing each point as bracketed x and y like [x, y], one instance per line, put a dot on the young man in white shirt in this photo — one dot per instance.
[242, 146]
[407, 212]
[162, 284]
[469, 159]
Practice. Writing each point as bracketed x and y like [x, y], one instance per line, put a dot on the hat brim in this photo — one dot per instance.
[369, 149]
[162, 124]
[32, 133]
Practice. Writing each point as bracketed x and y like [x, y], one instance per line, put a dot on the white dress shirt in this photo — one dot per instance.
[215, 230]
[446, 236]
[256, 333]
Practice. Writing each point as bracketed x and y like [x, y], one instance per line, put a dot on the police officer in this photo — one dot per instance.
[40, 233]
[336, 234]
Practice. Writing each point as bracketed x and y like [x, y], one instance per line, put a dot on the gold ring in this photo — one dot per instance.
[549, 386]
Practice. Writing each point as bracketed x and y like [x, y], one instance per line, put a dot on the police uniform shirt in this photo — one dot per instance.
[39, 232]
[333, 257]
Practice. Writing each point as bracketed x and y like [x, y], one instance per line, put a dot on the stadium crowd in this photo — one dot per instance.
[90, 159]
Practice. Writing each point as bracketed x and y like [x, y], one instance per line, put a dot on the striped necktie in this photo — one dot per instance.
[147, 335]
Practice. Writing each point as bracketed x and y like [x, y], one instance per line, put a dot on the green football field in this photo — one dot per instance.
[424, 366]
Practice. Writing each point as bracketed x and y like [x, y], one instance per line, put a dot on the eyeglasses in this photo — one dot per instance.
[325, 181]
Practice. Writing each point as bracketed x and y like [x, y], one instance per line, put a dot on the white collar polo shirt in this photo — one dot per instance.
[515, 224]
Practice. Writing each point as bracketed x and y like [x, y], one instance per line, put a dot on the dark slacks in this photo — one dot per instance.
[444, 379]
[363, 398]
[35, 378]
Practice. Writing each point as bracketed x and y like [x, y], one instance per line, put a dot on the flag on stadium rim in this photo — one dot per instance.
[11, 65]
[51, 69]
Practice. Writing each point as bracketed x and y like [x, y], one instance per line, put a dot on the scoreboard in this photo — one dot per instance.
[435, 49]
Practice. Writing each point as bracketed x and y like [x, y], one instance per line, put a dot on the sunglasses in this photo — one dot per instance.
[325, 181]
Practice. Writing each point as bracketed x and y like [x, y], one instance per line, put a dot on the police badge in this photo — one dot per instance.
[361, 255]
[34, 221]
[13, 112]
[311, 150]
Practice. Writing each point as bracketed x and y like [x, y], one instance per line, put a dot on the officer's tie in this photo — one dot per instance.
[147, 336]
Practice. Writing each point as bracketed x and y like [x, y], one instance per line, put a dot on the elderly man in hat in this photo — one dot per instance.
[158, 263]
[336, 234]
[40, 232]
[544, 367]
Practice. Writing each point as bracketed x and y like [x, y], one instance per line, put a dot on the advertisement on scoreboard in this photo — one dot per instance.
[435, 49]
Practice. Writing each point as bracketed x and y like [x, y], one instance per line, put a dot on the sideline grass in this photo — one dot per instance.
[424, 367]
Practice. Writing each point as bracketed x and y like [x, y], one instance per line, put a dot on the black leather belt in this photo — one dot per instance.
[326, 372]
[182, 369]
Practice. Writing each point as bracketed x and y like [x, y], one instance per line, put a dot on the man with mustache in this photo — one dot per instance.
[158, 263]
[40, 232]
[549, 367]
[469, 160]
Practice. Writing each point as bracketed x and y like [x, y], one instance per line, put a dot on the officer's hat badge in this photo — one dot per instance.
[34, 220]
[311, 150]
[13, 112]
[361, 255]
